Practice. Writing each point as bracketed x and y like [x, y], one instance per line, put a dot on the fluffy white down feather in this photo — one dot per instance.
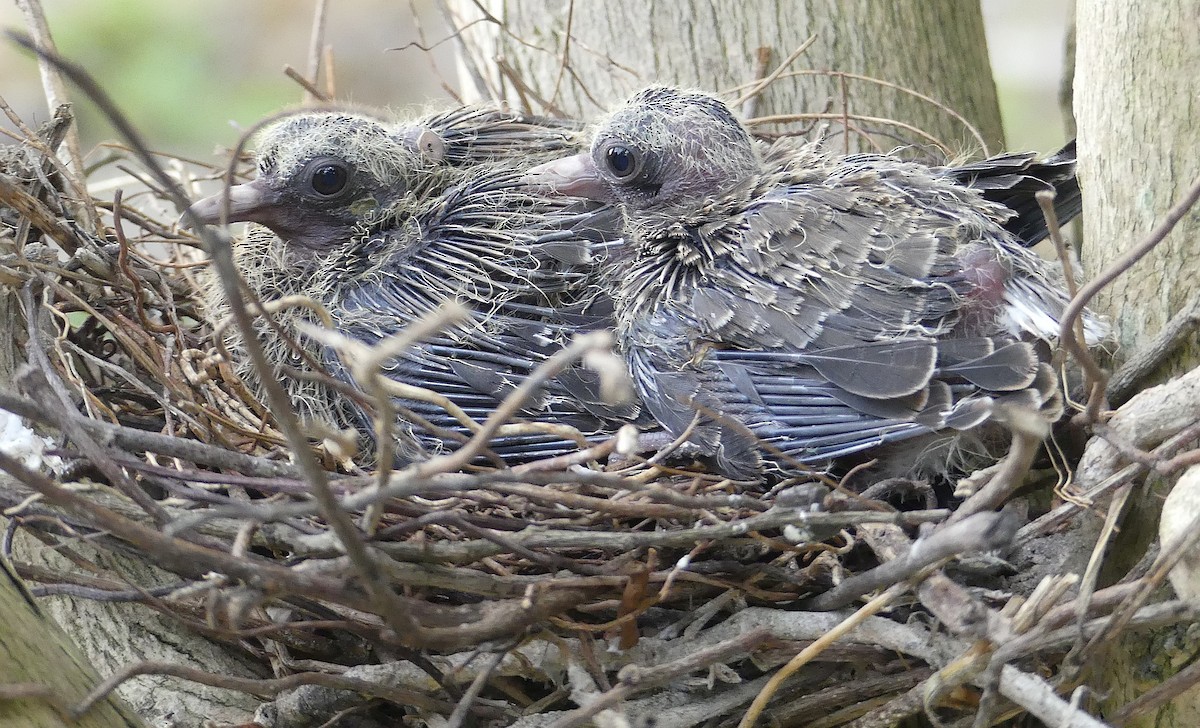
[20, 442]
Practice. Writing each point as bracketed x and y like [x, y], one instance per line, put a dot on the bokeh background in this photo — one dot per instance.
[194, 73]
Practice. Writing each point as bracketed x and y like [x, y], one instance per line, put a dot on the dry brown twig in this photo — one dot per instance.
[761, 82]
[1098, 377]
[845, 117]
[1143, 363]
[56, 97]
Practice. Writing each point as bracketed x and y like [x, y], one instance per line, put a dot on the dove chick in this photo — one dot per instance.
[379, 223]
[792, 306]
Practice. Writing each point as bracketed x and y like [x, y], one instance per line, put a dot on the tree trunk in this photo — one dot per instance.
[114, 635]
[935, 47]
[33, 649]
[1139, 151]
[37, 652]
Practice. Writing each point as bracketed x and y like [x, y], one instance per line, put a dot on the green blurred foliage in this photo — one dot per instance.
[186, 71]
[163, 64]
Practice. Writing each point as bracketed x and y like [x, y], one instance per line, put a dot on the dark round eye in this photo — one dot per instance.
[329, 179]
[620, 160]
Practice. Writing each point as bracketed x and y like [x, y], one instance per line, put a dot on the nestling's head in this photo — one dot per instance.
[664, 151]
[320, 173]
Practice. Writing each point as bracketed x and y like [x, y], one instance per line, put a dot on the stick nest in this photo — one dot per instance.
[554, 593]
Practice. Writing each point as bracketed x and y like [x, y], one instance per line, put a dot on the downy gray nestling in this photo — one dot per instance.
[806, 306]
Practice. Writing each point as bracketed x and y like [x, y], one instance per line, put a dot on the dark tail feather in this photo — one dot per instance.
[1013, 180]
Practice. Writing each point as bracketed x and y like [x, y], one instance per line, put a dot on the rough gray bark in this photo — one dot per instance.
[935, 47]
[36, 651]
[116, 634]
[1066, 90]
[34, 648]
[1139, 151]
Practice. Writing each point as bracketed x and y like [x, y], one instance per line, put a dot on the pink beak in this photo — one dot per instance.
[246, 202]
[570, 176]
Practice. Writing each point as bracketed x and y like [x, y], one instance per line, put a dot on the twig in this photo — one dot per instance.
[1091, 574]
[466, 57]
[526, 91]
[1045, 200]
[896, 710]
[807, 654]
[762, 57]
[1044, 639]
[1058, 516]
[316, 45]
[902, 89]
[135, 284]
[180, 556]
[310, 89]
[330, 73]
[1171, 554]
[1028, 431]
[422, 43]
[980, 532]
[1108, 275]
[762, 82]
[1153, 416]
[47, 143]
[845, 117]
[56, 96]
[1151, 356]
[515, 401]
[1160, 465]
[260, 687]
[1157, 696]
[566, 52]
[221, 253]
[368, 372]
[463, 708]
[635, 679]
[26, 205]
[562, 462]
[469, 551]
[55, 397]
[653, 440]
[143, 441]
[1033, 694]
